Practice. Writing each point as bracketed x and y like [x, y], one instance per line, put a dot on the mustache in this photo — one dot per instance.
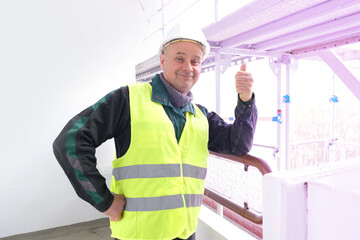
[184, 73]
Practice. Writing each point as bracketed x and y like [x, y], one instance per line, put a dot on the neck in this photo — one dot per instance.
[178, 99]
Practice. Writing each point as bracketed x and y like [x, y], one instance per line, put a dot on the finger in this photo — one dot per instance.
[243, 67]
[115, 219]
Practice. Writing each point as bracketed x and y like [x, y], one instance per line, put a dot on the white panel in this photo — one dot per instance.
[334, 206]
[284, 207]
[320, 202]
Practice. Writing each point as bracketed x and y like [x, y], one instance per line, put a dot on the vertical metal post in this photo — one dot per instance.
[332, 139]
[275, 64]
[333, 110]
[217, 79]
[287, 116]
[279, 101]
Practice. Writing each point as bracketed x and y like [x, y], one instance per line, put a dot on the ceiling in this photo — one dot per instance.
[287, 26]
[266, 28]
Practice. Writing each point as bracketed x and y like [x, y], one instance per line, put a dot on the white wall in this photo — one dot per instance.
[56, 58]
[339, 218]
[320, 202]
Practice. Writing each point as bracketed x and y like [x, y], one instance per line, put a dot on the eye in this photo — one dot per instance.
[179, 59]
[195, 62]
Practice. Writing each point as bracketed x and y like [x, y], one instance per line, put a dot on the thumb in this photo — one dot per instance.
[243, 67]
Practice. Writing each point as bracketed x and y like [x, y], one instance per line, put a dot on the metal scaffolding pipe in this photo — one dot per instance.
[287, 117]
[336, 64]
[279, 101]
[217, 81]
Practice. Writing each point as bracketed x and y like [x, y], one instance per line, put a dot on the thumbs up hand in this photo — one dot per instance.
[243, 83]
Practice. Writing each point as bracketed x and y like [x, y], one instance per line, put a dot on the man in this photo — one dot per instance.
[162, 143]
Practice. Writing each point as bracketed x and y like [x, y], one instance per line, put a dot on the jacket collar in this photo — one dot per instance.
[160, 95]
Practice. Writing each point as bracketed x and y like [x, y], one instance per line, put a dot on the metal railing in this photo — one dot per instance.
[243, 211]
[317, 151]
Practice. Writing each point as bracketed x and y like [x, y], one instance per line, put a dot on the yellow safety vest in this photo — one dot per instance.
[162, 180]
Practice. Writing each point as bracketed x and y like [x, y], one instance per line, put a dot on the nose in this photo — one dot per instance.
[187, 66]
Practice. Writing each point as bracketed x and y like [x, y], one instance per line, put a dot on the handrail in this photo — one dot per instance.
[247, 159]
[244, 211]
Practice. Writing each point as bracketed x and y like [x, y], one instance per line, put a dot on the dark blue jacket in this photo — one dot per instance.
[109, 118]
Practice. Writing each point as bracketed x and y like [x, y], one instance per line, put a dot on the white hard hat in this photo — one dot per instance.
[190, 34]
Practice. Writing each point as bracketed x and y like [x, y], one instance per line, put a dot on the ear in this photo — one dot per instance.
[162, 59]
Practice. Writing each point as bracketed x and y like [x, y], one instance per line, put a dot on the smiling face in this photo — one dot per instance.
[181, 65]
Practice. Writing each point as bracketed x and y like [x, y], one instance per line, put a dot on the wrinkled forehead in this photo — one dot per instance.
[184, 48]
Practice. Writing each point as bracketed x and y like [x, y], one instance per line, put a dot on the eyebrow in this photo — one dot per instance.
[182, 53]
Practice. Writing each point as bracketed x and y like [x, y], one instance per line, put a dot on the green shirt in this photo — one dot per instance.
[175, 114]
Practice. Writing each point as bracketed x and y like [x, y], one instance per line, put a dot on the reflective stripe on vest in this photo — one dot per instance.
[158, 170]
[162, 203]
